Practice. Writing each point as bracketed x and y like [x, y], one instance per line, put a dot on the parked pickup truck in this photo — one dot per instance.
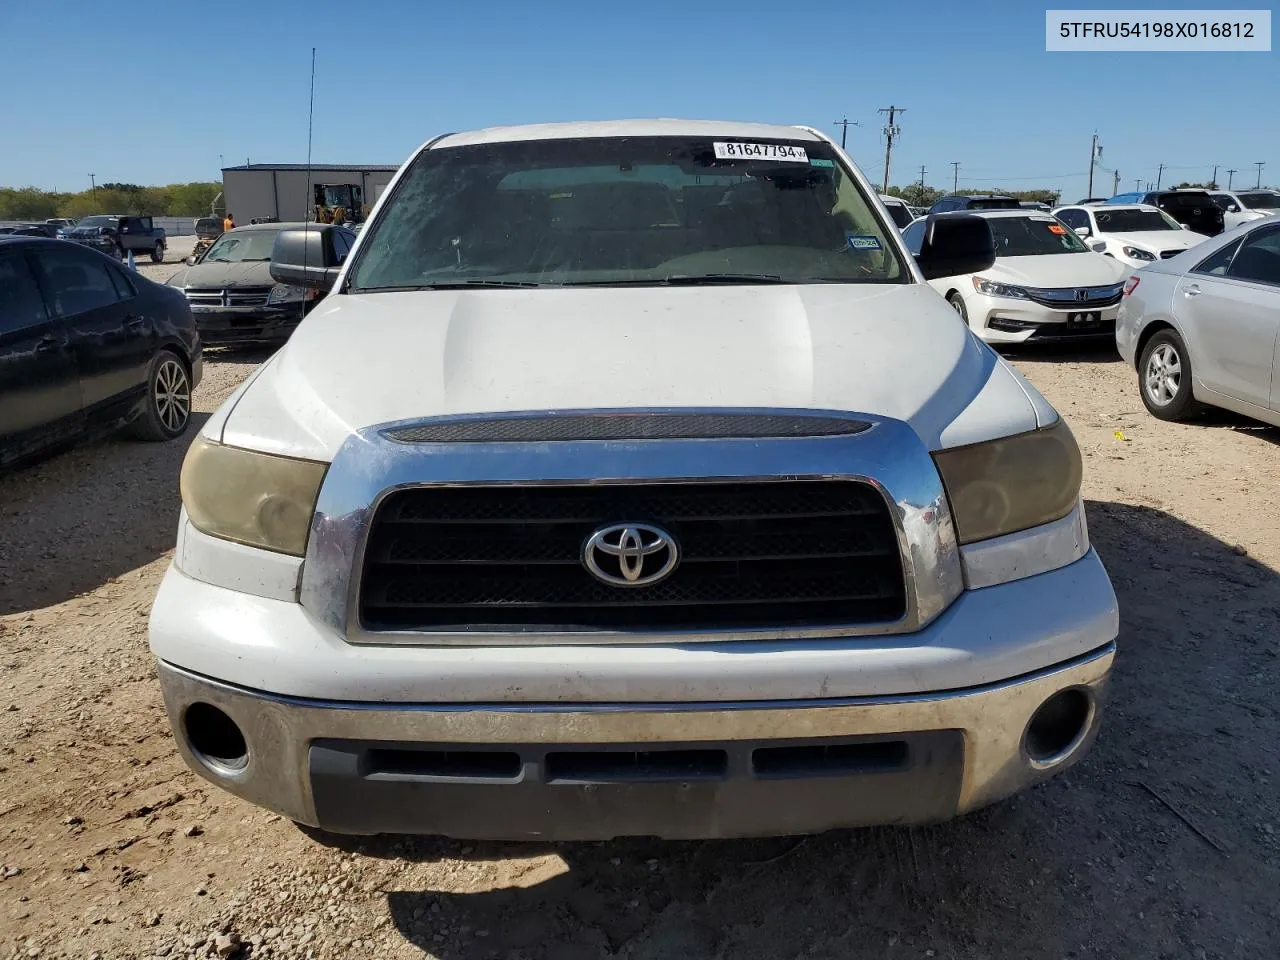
[631, 480]
[118, 235]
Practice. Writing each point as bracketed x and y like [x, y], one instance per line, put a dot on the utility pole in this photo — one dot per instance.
[1231, 175]
[955, 175]
[1213, 181]
[891, 132]
[1137, 183]
[1159, 176]
[922, 175]
[844, 126]
[1094, 152]
[1260, 164]
[93, 185]
[1115, 184]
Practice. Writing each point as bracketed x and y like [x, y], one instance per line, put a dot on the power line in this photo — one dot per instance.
[891, 132]
[844, 126]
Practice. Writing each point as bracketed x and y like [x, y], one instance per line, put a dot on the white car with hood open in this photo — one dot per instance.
[630, 480]
[1045, 284]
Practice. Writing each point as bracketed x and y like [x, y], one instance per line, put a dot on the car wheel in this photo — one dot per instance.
[157, 255]
[168, 410]
[1164, 377]
[957, 301]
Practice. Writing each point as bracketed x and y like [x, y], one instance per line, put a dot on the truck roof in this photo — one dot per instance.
[626, 128]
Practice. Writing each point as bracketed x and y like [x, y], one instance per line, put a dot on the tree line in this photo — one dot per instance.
[174, 200]
[919, 195]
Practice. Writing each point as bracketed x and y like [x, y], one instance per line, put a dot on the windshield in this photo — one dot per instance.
[1032, 236]
[1134, 221]
[98, 222]
[899, 212]
[1187, 200]
[240, 247]
[635, 210]
[1260, 201]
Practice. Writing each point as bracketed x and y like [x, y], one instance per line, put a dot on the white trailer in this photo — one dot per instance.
[285, 192]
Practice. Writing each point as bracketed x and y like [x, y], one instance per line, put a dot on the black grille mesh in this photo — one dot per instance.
[752, 554]
[626, 426]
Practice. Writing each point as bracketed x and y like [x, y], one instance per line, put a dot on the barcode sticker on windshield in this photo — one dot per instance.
[786, 152]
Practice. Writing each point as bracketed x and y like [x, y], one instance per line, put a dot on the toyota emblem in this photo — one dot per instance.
[630, 555]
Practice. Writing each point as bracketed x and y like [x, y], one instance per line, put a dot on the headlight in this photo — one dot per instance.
[1136, 254]
[287, 293]
[993, 289]
[255, 498]
[1013, 483]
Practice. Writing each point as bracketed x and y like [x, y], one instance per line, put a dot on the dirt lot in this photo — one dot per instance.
[1164, 843]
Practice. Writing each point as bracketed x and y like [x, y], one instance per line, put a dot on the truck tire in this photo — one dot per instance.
[157, 253]
[168, 411]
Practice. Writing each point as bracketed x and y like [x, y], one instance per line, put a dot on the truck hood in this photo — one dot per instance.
[1058, 270]
[897, 351]
[245, 273]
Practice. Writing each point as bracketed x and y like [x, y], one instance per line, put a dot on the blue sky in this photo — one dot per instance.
[154, 93]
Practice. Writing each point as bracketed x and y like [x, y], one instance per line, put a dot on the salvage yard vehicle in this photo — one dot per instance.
[126, 234]
[899, 212]
[1046, 284]
[231, 291]
[207, 230]
[966, 201]
[87, 348]
[1193, 209]
[1201, 328]
[1243, 206]
[631, 481]
[1135, 234]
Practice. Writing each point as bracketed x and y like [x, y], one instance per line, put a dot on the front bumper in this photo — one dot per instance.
[1008, 320]
[597, 771]
[227, 325]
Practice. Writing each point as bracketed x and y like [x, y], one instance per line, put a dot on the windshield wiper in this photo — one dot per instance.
[453, 285]
[685, 280]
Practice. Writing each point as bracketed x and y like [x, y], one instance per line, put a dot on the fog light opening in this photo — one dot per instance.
[215, 739]
[1058, 727]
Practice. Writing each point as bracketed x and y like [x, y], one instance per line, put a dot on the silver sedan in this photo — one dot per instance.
[1201, 328]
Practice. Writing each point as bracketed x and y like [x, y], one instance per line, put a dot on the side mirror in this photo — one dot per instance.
[1083, 232]
[191, 261]
[1232, 208]
[1098, 246]
[955, 245]
[305, 257]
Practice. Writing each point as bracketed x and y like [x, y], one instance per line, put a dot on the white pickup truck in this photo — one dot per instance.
[631, 480]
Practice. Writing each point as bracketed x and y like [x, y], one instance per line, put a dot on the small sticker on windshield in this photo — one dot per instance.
[861, 241]
[818, 162]
[1057, 228]
[786, 152]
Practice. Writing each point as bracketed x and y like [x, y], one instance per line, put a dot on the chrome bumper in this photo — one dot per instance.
[308, 759]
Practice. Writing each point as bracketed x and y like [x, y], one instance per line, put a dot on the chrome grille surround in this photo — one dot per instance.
[888, 456]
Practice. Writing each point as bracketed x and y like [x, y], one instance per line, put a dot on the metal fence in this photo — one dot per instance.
[176, 226]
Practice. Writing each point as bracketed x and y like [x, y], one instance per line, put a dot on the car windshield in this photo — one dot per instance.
[1033, 236]
[241, 247]
[1134, 221]
[900, 213]
[98, 222]
[1260, 201]
[634, 210]
[1187, 200]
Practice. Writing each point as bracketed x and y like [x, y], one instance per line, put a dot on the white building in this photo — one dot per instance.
[282, 191]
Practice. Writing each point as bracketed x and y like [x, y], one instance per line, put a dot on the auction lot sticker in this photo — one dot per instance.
[760, 151]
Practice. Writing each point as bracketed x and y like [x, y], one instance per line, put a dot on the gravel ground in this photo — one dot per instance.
[1165, 843]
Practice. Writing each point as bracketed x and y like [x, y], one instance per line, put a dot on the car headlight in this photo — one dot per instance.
[993, 289]
[259, 499]
[1135, 254]
[288, 293]
[1006, 485]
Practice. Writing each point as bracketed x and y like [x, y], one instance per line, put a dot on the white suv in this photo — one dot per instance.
[631, 481]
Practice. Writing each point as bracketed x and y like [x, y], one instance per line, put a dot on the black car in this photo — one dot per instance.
[1194, 209]
[87, 347]
[33, 230]
[957, 201]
